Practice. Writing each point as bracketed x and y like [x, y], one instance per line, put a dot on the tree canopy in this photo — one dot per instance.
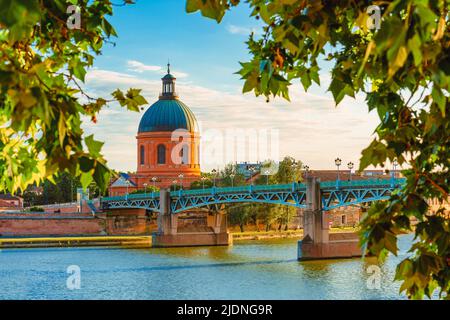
[44, 56]
[401, 63]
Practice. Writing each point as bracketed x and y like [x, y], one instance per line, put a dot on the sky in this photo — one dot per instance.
[204, 56]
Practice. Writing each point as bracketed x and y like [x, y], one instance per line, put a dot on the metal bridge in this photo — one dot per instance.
[333, 194]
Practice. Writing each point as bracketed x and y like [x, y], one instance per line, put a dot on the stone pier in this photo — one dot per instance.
[168, 235]
[317, 242]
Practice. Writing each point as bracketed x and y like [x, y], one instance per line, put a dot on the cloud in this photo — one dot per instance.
[310, 127]
[139, 67]
[234, 29]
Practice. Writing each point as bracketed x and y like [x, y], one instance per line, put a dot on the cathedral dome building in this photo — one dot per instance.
[168, 144]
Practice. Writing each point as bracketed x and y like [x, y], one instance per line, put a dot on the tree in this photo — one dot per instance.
[289, 171]
[149, 189]
[45, 53]
[240, 214]
[224, 176]
[401, 63]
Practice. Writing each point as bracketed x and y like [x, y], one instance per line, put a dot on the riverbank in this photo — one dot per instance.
[138, 241]
[260, 235]
[97, 241]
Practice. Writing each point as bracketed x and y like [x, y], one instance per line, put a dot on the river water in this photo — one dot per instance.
[266, 269]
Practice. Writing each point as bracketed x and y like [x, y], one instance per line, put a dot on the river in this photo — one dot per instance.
[265, 269]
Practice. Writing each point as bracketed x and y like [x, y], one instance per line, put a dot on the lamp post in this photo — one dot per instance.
[306, 168]
[145, 189]
[294, 166]
[266, 173]
[203, 181]
[251, 169]
[174, 183]
[338, 162]
[232, 179]
[214, 172]
[181, 176]
[350, 166]
[394, 171]
[154, 182]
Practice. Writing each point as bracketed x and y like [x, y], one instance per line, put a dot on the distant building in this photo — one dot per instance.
[123, 184]
[248, 169]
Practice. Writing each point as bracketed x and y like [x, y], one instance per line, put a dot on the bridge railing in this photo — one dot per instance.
[134, 196]
[290, 187]
[239, 189]
[362, 183]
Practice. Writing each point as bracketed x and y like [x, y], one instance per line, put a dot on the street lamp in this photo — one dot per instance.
[394, 172]
[154, 181]
[174, 182]
[214, 172]
[306, 168]
[232, 179]
[145, 189]
[128, 184]
[251, 169]
[350, 166]
[338, 162]
[295, 165]
[203, 181]
[181, 176]
[267, 172]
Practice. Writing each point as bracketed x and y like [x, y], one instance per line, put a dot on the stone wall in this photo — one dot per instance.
[119, 222]
[43, 224]
[341, 217]
[130, 222]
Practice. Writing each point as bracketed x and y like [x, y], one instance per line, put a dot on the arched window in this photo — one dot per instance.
[161, 154]
[142, 154]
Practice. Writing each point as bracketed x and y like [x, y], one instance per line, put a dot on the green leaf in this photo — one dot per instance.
[94, 146]
[86, 179]
[439, 99]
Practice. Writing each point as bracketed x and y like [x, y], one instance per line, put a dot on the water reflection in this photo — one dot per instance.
[247, 270]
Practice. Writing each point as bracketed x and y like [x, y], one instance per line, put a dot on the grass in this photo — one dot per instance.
[80, 238]
[274, 233]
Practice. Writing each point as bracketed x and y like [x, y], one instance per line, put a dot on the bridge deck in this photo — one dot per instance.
[334, 194]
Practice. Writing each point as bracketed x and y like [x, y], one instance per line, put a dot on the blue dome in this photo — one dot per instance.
[168, 115]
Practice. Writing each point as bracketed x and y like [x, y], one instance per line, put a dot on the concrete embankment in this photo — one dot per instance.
[100, 241]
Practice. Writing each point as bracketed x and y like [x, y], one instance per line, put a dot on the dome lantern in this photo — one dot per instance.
[168, 113]
[168, 86]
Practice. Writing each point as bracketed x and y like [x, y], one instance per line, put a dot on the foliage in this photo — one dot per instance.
[199, 184]
[43, 62]
[402, 67]
[61, 189]
[36, 209]
[288, 170]
[224, 176]
[149, 189]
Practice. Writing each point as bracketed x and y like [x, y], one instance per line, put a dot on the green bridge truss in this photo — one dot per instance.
[334, 194]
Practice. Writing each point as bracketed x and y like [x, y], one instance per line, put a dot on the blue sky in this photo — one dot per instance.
[154, 31]
[204, 56]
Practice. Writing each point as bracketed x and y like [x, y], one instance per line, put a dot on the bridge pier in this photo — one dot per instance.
[317, 243]
[168, 235]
